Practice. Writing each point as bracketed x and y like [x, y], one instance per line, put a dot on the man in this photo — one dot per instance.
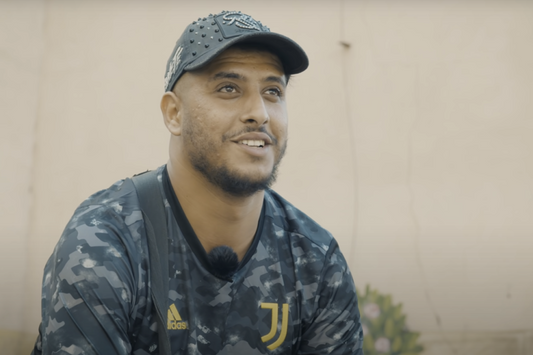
[248, 272]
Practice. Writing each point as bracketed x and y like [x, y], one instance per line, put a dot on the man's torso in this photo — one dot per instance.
[268, 306]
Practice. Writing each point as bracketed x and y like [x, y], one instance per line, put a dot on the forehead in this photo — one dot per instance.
[242, 57]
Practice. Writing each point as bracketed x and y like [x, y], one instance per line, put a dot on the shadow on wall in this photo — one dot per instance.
[386, 333]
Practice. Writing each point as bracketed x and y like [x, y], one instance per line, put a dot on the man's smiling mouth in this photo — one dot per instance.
[253, 143]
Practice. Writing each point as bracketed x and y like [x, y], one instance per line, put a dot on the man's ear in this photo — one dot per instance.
[171, 109]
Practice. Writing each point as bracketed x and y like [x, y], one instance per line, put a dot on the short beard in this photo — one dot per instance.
[230, 181]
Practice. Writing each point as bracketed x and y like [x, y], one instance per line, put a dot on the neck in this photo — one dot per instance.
[216, 217]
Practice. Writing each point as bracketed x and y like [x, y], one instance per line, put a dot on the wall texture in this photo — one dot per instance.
[411, 140]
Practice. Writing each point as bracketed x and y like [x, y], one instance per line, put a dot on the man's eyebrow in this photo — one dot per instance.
[232, 75]
[226, 75]
[276, 79]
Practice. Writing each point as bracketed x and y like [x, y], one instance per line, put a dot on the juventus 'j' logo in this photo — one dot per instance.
[274, 327]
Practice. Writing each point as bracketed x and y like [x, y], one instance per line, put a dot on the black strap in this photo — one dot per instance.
[153, 210]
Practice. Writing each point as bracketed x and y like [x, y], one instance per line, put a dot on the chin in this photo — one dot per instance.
[241, 183]
[254, 175]
[236, 178]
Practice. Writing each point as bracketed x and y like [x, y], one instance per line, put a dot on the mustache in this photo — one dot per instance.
[231, 135]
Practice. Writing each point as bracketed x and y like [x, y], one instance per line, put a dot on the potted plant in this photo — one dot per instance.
[384, 328]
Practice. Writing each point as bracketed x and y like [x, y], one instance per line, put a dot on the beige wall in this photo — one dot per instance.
[21, 49]
[411, 143]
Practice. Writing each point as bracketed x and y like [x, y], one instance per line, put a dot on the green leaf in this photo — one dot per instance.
[387, 302]
[397, 344]
[410, 341]
[368, 345]
[390, 330]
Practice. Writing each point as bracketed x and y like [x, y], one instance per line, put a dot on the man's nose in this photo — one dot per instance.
[255, 110]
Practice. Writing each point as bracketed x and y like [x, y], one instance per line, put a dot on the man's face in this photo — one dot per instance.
[234, 119]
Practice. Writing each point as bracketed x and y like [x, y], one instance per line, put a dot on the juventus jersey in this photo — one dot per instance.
[291, 294]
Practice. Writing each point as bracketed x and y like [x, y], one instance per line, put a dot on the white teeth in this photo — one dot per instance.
[253, 143]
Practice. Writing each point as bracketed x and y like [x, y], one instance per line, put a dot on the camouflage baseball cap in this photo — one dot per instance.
[207, 37]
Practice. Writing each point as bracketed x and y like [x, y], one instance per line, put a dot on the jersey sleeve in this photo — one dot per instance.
[336, 326]
[89, 289]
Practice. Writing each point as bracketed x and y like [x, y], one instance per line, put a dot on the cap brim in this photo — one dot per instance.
[291, 55]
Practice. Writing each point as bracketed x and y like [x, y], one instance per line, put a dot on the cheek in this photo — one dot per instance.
[281, 133]
[194, 119]
[279, 124]
[197, 112]
[203, 128]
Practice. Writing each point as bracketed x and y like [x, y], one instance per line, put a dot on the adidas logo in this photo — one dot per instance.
[174, 319]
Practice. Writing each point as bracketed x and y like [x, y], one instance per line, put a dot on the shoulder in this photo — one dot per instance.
[104, 235]
[95, 285]
[103, 247]
[315, 257]
[314, 254]
[112, 214]
[297, 223]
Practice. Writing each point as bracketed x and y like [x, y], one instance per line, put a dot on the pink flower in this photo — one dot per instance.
[382, 345]
[371, 310]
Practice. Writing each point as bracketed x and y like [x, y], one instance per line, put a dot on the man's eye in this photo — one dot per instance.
[274, 91]
[227, 89]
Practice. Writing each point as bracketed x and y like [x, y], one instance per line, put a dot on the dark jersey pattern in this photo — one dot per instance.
[292, 294]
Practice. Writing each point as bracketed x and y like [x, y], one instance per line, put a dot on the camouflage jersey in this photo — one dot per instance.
[292, 293]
